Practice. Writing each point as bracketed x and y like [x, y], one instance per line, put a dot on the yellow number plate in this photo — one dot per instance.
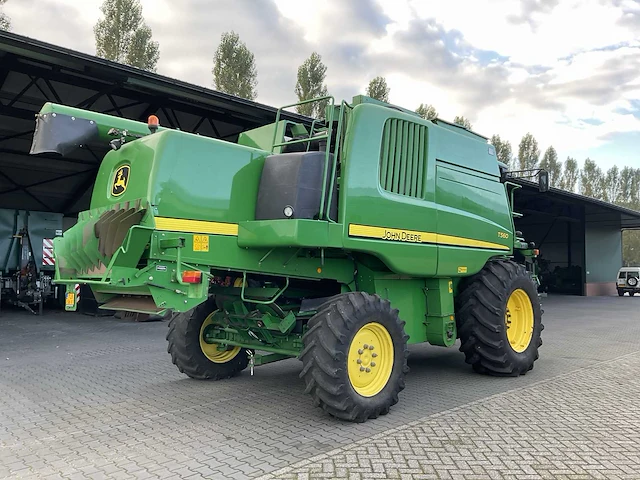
[70, 299]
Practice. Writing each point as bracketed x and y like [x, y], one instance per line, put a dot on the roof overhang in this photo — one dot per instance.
[34, 72]
[571, 206]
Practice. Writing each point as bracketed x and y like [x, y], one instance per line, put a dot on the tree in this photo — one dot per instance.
[427, 111]
[503, 149]
[591, 180]
[550, 164]
[463, 122]
[5, 22]
[627, 178]
[122, 36]
[528, 152]
[378, 89]
[612, 184]
[570, 175]
[310, 84]
[234, 68]
[630, 248]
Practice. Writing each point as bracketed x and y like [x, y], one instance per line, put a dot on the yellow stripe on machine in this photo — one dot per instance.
[196, 226]
[413, 236]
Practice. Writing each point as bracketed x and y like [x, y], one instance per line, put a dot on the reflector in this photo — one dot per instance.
[192, 276]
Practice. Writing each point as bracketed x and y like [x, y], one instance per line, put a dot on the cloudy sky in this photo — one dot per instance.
[568, 72]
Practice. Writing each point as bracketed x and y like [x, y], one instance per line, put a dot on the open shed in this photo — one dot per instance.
[580, 238]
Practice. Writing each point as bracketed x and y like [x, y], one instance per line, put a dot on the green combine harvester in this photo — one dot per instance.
[338, 242]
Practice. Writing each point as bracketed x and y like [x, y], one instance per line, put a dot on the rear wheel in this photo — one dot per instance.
[355, 357]
[620, 293]
[500, 320]
[197, 358]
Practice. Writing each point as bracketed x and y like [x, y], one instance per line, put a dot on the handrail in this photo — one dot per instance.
[261, 302]
[303, 102]
[343, 104]
[329, 121]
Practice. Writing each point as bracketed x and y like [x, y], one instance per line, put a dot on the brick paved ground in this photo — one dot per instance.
[99, 398]
[582, 425]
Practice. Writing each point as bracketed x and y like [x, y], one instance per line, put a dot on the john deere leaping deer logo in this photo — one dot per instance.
[120, 181]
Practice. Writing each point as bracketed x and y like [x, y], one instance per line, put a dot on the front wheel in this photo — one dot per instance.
[355, 357]
[620, 293]
[500, 320]
[193, 355]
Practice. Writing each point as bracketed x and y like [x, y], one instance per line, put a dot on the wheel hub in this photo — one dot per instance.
[370, 359]
[213, 351]
[519, 320]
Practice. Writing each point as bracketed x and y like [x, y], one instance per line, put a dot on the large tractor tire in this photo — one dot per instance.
[499, 320]
[196, 358]
[355, 357]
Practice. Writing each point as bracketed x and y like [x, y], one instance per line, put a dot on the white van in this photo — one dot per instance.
[628, 280]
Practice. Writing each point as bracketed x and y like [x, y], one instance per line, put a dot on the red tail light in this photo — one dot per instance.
[192, 276]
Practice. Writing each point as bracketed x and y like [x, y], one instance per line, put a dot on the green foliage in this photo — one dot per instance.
[460, 120]
[378, 89]
[234, 70]
[427, 111]
[550, 164]
[591, 180]
[5, 22]
[611, 184]
[631, 248]
[569, 178]
[122, 36]
[310, 84]
[503, 150]
[528, 152]
[629, 190]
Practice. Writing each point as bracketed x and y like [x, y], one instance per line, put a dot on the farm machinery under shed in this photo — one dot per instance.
[26, 253]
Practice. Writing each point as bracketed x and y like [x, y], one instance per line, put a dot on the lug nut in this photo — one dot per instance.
[358, 361]
[373, 364]
[368, 370]
[362, 369]
[366, 346]
[370, 347]
[360, 352]
[374, 355]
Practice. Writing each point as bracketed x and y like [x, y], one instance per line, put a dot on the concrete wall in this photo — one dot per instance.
[603, 246]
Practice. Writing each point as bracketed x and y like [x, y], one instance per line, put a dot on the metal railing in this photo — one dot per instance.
[328, 196]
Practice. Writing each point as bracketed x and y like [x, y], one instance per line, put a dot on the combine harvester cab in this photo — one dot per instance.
[340, 242]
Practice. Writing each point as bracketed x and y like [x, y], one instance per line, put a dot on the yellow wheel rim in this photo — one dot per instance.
[370, 359]
[519, 320]
[211, 351]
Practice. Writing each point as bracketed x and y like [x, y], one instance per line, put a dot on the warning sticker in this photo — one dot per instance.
[70, 299]
[201, 243]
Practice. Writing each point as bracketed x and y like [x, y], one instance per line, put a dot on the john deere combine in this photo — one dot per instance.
[338, 242]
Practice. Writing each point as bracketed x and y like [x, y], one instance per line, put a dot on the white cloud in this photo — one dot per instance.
[566, 61]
